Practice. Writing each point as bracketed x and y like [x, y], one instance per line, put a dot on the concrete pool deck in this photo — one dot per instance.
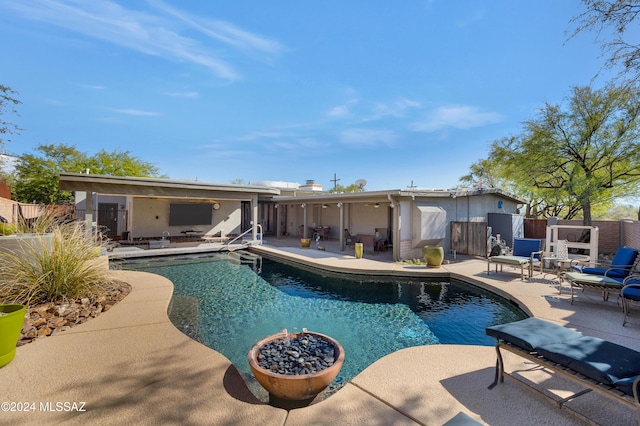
[130, 365]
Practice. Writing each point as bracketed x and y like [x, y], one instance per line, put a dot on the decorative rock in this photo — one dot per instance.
[302, 355]
[44, 331]
[49, 319]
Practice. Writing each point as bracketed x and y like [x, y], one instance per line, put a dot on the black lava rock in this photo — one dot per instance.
[294, 356]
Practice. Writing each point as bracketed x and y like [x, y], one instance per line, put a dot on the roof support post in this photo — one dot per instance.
[254, 216]
[342, 236]
[88, 215]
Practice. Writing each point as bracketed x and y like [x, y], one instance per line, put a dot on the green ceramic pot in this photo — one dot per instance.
[305, 242]
[11, 320]
[433, 256]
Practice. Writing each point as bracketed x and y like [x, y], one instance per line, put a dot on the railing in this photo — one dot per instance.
[259, 227]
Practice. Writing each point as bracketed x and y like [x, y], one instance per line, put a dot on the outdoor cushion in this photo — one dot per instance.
[620, 264]
[593, 280]
[595, 358]
[531, 332]
[631, 292]
[626, 385]
[525, 246]
[510, 260]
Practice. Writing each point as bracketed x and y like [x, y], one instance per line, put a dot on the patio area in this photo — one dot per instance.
[131, 365]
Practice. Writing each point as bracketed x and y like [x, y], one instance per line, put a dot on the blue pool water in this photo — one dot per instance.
[229, 304]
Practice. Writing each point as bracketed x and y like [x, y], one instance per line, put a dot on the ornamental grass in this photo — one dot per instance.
[58, 266]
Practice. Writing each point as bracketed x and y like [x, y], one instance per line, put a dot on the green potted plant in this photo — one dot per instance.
[11, 321]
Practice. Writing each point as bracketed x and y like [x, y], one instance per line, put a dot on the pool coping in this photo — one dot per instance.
[131, 365]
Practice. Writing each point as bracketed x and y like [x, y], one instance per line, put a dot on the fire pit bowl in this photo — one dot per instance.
[292, 376]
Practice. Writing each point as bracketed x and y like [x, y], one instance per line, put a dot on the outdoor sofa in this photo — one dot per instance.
[595, 364]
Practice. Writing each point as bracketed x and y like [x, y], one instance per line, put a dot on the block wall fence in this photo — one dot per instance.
[613, 234]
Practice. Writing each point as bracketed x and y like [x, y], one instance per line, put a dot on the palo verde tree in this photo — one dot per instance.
[611, 20]
[488, 173]
[37, 176]
[582, 154]
[8, 104]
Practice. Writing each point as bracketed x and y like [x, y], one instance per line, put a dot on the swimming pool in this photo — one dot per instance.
[228, 302]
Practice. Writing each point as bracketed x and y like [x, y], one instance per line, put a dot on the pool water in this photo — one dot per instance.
[228, 304]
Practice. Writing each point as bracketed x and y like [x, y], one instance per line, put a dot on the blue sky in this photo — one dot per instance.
[391, 92]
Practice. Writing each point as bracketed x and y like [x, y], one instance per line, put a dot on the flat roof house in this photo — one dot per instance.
[131, 209]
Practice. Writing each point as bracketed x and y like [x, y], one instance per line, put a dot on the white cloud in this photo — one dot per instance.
[224, 31]
[344, 110]
[358, 137]
[137, 112]
[397, 108]
[148, 33]
[188, 95]
[457, 117]
[339, 111]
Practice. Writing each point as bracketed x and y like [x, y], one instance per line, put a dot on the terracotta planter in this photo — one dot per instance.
[305, 242]
[359, 248]
[294, 391]
[433, 256]
[11, 321]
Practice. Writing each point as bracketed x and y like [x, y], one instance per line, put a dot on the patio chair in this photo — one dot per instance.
[623, 262]
[526, 252]
[630, 294]
[380, 239]
[349, 240]
[368, 244]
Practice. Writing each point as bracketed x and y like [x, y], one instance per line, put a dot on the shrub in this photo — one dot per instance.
[50, 270]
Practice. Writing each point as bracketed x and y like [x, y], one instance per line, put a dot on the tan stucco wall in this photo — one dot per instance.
[151, 219]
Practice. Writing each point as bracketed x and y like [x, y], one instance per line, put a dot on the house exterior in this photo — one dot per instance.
[133, 208]
[411, 219]
[146, 208]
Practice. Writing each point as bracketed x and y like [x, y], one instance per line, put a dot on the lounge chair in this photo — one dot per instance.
[596, 364]
[621, 265]
[630, 294]
[526, 252]
[607, 279]
[605, 285]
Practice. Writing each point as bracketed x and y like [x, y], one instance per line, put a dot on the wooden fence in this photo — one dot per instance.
[469, 238]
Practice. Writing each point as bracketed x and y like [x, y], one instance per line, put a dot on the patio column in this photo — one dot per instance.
[341, 207]
[88, 214]
[278, 225]
[304, 219]
[254, 216]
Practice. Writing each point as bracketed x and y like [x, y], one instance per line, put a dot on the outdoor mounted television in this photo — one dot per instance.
[190, 214]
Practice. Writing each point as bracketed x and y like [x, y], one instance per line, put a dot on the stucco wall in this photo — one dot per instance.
[472, 208]
[151, 219]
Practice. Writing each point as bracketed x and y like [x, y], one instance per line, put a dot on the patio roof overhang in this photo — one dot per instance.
[393, 195]
[156, 187]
